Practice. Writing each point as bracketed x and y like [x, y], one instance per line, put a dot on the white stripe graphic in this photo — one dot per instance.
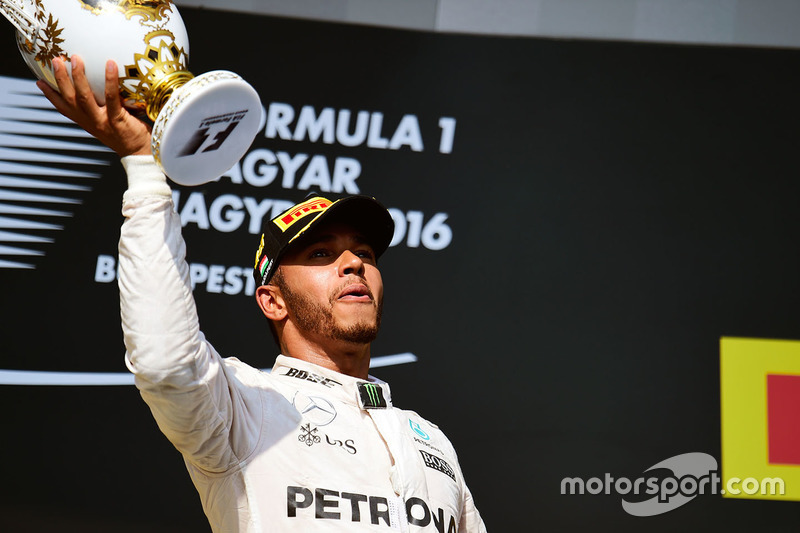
[26, 183]
[391, 360]
[20, 141]
[35, 142]
[10, 113]
[32, 377]
[7, 236]
[14, 264]
[35, 128]
[13, 154]
[17, 168]
[31, 197]
[12, 223]
[7, 209]
[13, 250]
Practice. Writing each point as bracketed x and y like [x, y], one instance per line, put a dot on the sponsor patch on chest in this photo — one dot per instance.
[310, 376]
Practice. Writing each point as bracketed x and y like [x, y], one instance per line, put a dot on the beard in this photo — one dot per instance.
[317, 318]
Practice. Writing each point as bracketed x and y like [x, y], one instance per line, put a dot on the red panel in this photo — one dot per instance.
[783, 419]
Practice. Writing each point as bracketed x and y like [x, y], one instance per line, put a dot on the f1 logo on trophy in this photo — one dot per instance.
[201, 125]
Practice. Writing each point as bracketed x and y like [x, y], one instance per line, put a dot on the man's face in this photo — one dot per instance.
[332, 286]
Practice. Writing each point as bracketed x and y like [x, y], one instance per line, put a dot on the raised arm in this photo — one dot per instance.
[180, 376]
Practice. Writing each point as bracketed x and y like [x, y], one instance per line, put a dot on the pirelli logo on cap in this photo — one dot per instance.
[310, 207]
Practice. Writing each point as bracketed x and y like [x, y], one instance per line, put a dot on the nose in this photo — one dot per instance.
[350, 263]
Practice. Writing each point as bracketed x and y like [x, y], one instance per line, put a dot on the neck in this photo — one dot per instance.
[344, 357]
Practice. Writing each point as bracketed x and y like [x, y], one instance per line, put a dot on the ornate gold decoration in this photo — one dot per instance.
[46, 45]
[148, 9]
[155, 73]
[163, 89]
[39, 6]
[173, 104]
[50, 41]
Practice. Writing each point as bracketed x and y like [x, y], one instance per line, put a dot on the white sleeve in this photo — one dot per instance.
[179, 374]
[471, 521]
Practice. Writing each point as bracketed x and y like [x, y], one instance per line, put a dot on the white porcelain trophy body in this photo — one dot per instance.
[201, 125]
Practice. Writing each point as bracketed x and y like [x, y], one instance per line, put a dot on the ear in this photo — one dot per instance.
[271, 302]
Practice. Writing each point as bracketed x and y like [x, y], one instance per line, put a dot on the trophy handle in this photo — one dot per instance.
[14, 11]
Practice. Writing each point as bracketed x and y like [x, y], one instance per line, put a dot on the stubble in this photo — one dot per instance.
[317, 318]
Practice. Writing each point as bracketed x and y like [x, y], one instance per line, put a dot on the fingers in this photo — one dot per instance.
[113, 101]
[63, 81]
[111, 124]
[84, 96]
[52, 95]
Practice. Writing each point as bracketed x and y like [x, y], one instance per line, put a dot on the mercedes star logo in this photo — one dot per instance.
[315, 409]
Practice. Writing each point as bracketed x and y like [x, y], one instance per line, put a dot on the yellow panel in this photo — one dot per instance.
[744, 365]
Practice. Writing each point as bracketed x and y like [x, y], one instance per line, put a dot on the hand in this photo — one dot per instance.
[111, 124]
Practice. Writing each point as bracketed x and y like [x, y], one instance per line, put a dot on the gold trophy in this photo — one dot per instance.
[201, 125]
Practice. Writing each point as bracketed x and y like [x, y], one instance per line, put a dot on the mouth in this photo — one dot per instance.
[356, 292]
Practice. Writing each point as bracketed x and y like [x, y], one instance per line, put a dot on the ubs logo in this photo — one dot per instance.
[347, 445]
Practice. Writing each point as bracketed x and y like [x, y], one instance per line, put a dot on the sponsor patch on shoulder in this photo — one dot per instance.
[437, 463]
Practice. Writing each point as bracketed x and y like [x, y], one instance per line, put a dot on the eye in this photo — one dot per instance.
[365, 254]
[319, 252]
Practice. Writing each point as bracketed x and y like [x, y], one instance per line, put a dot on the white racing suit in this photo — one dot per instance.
[300, 449]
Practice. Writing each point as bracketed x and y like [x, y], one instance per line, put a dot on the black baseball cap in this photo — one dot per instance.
[364, 213]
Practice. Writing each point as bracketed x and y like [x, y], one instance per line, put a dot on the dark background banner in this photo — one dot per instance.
[583, 222]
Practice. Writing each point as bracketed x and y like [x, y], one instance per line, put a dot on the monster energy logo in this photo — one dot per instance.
[371, 396]
[372, 392]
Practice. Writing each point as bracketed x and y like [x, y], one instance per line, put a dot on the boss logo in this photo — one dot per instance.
[437, 463]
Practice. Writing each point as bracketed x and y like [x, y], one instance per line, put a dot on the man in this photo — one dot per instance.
[316, 444]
